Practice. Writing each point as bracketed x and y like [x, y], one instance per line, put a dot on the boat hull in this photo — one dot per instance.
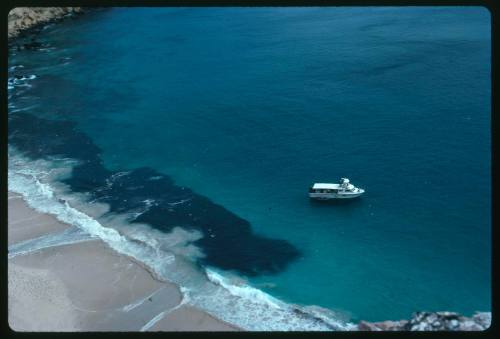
[331, 196]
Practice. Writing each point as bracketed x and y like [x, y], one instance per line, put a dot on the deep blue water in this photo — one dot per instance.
[240, 110]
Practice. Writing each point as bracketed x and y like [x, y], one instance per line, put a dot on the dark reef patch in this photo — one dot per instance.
[228, 240]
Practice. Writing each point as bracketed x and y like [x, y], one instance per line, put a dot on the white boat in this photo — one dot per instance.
[343, 190]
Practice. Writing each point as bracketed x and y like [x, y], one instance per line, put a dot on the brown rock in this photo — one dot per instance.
[432, 321]
[22, 18]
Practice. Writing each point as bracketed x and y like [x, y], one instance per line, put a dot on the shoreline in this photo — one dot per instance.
[87, 286]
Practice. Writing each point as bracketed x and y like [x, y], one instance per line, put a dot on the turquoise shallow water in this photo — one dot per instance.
[248, 107]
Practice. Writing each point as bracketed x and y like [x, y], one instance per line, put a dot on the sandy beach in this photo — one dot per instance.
[86, 286]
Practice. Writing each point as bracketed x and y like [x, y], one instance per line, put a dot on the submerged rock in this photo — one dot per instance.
[432, 321]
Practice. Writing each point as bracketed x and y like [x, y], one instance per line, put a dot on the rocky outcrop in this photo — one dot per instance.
[23, 18]
[432, 321]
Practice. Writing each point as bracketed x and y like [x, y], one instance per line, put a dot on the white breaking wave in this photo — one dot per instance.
[259, 311]
[164, 253]
[40, 196]
[12, 68]
[21, 81]
[244, 291]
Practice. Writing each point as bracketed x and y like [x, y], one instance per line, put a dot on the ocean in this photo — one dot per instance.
[188, 138]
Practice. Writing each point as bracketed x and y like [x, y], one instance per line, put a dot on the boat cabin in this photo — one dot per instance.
[324, 188]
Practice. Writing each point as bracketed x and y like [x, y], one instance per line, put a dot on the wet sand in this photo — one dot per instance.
[86, 286]
[25, 224]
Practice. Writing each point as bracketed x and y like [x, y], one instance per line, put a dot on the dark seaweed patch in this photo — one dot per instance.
[228, 241]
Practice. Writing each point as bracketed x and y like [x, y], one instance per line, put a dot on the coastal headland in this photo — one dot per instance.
[23, 18]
